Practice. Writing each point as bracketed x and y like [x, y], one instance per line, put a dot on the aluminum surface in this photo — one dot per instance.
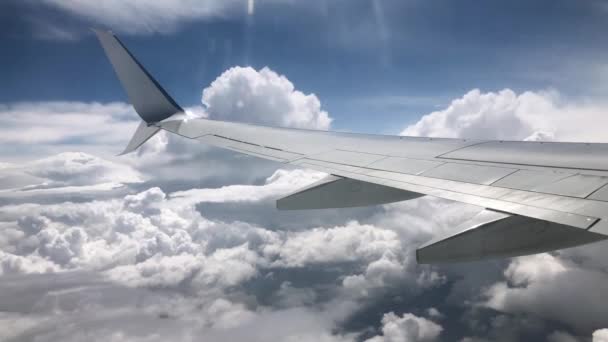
[337, 192]
[497, 235]
[578, 156]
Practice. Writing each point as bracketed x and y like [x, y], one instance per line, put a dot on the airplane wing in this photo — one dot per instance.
[538, 196]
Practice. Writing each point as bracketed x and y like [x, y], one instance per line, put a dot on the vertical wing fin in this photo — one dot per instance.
[150, 100]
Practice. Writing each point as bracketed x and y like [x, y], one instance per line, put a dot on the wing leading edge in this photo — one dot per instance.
[539, 196]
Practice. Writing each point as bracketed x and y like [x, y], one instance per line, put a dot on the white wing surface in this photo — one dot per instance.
[539, 196]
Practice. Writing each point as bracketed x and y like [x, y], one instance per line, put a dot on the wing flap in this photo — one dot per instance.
[495, 235]
[338, 192]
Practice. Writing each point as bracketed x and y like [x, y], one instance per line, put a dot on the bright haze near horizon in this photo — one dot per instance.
[182, 242]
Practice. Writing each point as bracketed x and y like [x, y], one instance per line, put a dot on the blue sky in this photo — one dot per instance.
[376, 66]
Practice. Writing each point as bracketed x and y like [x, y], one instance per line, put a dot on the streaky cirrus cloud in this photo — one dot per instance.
[36, 129]
[145, 17]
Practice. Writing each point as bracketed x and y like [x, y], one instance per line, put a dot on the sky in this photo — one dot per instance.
[182, 241]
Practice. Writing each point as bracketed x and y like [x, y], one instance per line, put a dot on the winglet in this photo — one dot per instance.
[150, 100]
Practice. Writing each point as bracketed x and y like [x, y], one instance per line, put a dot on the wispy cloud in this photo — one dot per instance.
[146, 17]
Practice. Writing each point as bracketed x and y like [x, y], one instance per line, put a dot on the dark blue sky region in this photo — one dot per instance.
[375, 65]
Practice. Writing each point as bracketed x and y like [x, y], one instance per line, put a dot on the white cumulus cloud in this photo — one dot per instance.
[152, 239]
[552, 286]
[407, 327]
[506, 115]
[600, 335]
[247, 95]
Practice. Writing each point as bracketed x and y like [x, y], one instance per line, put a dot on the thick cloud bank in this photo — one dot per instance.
[151, 240]
[153, 259]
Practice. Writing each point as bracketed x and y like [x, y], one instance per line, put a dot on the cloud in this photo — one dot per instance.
[68, 304]
[279, 183]
[506, 115]
[142, 17]
[44, 128]
[67, 174]
[43, 122]
[153, 240]
[75, 168]
[434, 313]
[408, 327]
[560, 336]
[15, 264]
[338, 245]
[600, 335]
[264, 97]
[553, 287]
